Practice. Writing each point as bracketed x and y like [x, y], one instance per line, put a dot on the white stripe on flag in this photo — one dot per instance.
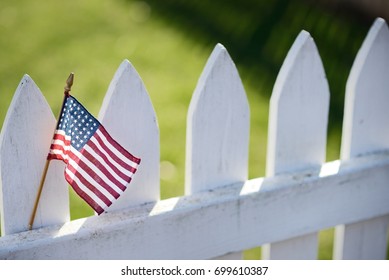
[116, 151]
[60, 153]
[61, 143]
[92, 166]
[92, 181]
[91, 194]
[62, 132]
[100, 159]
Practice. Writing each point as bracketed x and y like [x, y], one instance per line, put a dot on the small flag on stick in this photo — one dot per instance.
[97, 167]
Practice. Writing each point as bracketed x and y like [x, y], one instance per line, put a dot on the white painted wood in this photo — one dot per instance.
[298, 111]
[298, 248]
[297, 130]
[366, 130]
[24, 144]
[367, 99]
[228, 219]
[128, 115]
[218, 127]
[230, 256]
[362, 240]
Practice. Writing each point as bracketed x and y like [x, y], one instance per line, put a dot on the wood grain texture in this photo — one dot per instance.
[210, 224]
[218, 127]
[24, 144]
[297, 130]
[128, 115]
[366, 130]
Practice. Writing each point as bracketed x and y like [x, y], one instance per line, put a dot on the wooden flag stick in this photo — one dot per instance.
[68, 87]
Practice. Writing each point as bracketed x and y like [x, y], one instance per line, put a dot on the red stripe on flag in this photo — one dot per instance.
[62, 148]
[55, 156]
[113, 155]
[83, 195]
[103, 169]
[62, 156]
[118, 146]
[58, 136]
[108, 161]
[87, 184]
[95, 176]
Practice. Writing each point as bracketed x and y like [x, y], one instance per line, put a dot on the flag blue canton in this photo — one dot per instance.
[78, 123]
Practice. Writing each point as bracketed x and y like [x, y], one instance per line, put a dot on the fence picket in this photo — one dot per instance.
[297, 130]
[365, 130]
[24, 143]
[128, 115]
[218, 127]
[362, 240]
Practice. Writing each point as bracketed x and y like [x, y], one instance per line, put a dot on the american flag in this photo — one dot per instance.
[97, 167]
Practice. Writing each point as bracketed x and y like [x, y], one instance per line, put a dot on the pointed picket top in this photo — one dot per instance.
[297, 130]
[366, 111]
[218, 124]
[298, 110]
[128, 115]
[24, 143]
[365, 130]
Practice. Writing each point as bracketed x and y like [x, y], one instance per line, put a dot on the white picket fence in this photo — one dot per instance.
[223, 212]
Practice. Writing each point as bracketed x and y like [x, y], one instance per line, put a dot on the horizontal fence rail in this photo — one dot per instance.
[228, 219]
[223, 212]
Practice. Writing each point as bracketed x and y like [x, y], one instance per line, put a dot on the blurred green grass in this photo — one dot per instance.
[169, 42]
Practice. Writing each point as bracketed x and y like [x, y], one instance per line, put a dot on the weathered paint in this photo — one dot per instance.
[212, 223]
[297, 130]
[366, 130]
[218, 128]
[128, 115]
[24, 144]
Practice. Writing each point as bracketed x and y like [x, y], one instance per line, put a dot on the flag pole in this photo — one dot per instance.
[68, 87]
